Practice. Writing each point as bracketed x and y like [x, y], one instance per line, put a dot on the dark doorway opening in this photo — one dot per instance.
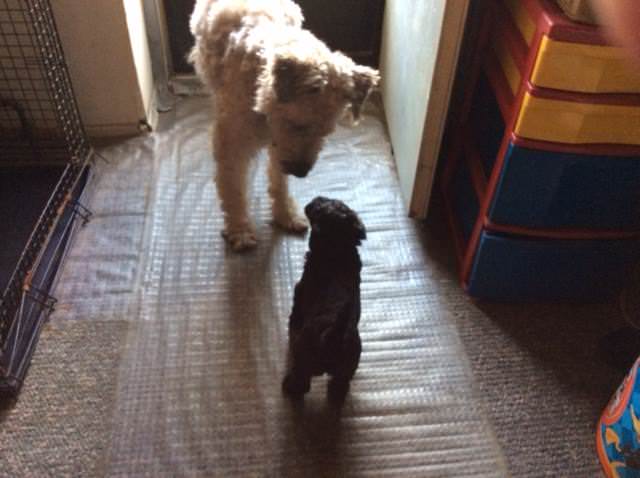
[353, 27]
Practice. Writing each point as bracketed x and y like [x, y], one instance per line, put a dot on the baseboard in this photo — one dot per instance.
[120, 130]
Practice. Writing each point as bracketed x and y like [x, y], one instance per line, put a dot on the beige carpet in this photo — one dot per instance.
[61, 423]
[539, 369]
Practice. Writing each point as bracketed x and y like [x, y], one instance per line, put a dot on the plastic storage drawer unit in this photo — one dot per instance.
[517, 267]
[571, 56]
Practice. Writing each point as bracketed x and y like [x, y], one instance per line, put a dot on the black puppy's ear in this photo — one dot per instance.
[312, 209]
[359, 230]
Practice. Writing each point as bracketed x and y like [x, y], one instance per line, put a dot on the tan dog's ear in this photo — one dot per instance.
[286, 74]
[364, 80]
[293, 78]
[277, 83]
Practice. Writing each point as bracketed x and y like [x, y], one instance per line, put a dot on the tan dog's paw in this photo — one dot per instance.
[294, 223]
[241, 240]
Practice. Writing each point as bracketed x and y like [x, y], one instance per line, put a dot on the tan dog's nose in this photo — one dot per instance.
[298, 169]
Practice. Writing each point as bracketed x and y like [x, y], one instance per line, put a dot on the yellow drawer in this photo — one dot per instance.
[584, 68]
[570, 122]
[571, 65]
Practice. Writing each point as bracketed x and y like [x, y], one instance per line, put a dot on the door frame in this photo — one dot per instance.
[451, 38]
[417, 191]
[167, 81]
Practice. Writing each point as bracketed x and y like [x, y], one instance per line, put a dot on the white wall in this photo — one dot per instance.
[108, 59]
[140, 48]
[417, 63]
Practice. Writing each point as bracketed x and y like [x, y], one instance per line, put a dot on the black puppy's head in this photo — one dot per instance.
[334, 221]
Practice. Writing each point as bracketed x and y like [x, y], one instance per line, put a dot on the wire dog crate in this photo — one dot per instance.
[45, 161]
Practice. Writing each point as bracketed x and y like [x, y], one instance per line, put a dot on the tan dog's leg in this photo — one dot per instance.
[285, 210]
[233, 155]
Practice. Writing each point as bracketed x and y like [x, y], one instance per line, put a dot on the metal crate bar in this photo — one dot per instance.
[39, 125]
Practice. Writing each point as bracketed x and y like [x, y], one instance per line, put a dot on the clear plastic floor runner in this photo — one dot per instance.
[199, 384]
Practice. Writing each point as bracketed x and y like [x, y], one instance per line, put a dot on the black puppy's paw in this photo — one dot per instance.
[295, 386]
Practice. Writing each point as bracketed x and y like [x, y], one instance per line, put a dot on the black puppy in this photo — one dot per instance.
[323, 326]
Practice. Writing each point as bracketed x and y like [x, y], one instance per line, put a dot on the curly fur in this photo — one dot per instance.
[273, 84]
[323, 325]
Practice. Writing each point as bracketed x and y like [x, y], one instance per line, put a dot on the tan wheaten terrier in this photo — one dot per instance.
[273, 84]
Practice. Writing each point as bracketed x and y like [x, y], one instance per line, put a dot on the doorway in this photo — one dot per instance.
[352, 27]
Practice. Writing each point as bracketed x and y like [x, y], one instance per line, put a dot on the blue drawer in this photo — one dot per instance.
[518, 268]
[541, 189]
